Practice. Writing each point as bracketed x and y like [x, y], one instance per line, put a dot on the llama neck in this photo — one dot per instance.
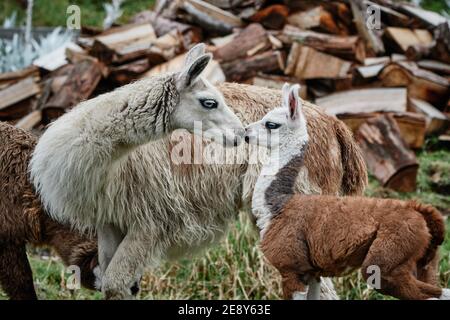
[276, 184]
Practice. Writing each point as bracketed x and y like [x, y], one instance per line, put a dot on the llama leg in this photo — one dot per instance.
[16, 277]
[327, 291]
[126, 266]
[293, 287]
[428, 273]
[109, 239]
[314, 289]
[399, 282]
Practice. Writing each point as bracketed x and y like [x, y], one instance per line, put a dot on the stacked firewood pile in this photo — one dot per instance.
[382, 67]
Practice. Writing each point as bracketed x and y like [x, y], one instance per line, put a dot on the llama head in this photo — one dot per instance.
[202, 107]
[282, 124]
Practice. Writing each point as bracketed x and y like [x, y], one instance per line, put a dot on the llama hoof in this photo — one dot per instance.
[445, 294]
[135, 289]
[98, 278]
[298, 295]
[112, 294]
[113, 291]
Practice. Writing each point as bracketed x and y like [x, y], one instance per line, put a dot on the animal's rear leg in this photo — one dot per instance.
[400, 282]
[428, 273]
[16, 277]
[293, 287]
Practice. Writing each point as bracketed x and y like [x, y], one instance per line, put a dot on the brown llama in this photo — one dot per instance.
[23, 222]
[309, 236]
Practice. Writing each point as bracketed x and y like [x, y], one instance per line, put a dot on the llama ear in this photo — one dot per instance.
[195, 52]
[294, 103]
[192, 71]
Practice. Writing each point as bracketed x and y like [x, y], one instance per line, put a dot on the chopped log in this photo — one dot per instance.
[231, 4]
[372, 39]
[307, 63]
[8, 78]
[253, 36]
[122, 44]
[371, 71]
[422, 84]
[129, 72]
[436, 121]
[320, 88]
[345, 47]
[30, 121]
[398, 57]
[404, 38]
[365, 101]
[163, 26]
[390, 16]
[387, 155]
[376, 60]
[412, 128]
[213, 71]
[271, 17]
[276, 82]
[57, 58]
[211, 18]
[241, 69]
[317, 19]
[222, 41]
[79, 84]
[372, 67]
[15, 100]
[418, 51]
[428, 17]
[435, 66]
[165, 47]
[441, 50]
[411, 125]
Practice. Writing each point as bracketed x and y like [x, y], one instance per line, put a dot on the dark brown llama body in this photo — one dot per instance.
[22, 222]
[329, 236]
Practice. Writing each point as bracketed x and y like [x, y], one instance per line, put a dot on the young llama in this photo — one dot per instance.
[308, 236]
[89, 171]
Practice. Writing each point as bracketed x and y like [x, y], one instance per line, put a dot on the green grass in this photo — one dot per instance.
[53, 13]
[435, 5]
[236, 269]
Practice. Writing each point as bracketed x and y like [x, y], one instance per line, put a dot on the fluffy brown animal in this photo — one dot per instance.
[309, 236]
[22, 222]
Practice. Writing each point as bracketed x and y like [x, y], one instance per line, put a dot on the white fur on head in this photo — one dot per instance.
[195, 52]
[289, 117]
[196, 93]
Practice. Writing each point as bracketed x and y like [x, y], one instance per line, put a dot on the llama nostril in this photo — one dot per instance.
[247, 139]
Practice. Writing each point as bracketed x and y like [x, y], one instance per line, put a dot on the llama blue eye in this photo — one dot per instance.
[209, 103]
[272, 125]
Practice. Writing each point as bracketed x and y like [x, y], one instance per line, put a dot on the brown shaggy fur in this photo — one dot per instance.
[23, 222]
[329, 236]
[345, 173]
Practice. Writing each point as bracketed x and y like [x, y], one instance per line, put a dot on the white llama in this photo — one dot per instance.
[89, 170]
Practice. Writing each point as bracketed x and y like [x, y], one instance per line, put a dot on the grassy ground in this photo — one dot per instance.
[235, 269]
[53, 13]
